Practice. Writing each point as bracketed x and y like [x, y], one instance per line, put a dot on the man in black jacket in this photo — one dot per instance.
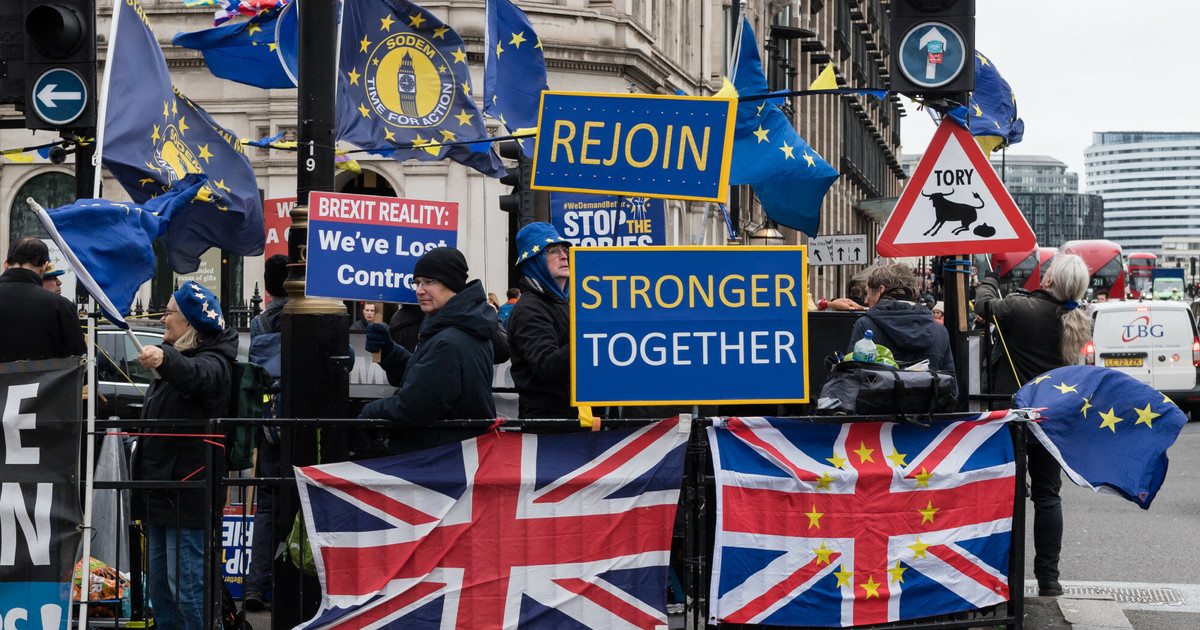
[34, 323]
[449, 374]
[539, 331]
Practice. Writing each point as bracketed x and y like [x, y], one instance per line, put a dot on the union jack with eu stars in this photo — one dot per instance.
[505, 530]
[848, 524]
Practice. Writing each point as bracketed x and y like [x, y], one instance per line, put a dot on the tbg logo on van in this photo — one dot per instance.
[1140, 327]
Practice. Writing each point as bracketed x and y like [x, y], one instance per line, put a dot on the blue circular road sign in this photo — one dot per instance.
[59, 96]
[932, 54]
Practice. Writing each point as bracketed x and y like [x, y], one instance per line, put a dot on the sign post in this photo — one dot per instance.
[688, 325]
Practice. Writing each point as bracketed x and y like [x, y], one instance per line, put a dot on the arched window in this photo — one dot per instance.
[51, 190]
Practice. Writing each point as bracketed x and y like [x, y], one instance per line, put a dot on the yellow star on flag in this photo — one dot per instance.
[353, 76]
[183, 124]
[416, 20]
[923, 478]
[154, 135]
[919, 549]
[864, 453]
[174, 108]
[387, 23]
[978, 112]
[388, 135]
[808, 158]
[982, 60]
[823, 481]
[1110, 420]
[364, 44]
[814, 517]
[220, 183]
[143, 182]
[787, 150]
[463, 117]
[254, 28]
[466, 89]
[1145, 415]
[364, 111]
[498, 49]
[440, 32]
[843, 576]
[517, 38]
[1039, 379]
[762, 134]
[761, 105]
[1064, 388]
[204, 154]
[823, 553]
[837, 460]
[448, 136]
[1167, 400]
[166, 110]
[897, 458]
[539, 44]
[871, 587]
[459, 55]
[928, 512]
[897, 573]
[1087, 404]
[271, 46]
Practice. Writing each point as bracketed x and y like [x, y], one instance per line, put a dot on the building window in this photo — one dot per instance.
[51, 190]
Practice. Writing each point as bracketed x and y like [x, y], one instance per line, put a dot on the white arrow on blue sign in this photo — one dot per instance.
[59, 96]
[932, 54]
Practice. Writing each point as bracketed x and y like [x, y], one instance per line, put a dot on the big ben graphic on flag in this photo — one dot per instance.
[404, 87]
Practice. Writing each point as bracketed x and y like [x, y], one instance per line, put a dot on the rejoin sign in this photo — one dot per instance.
[364, 248]
[674, 147]
[688, 325]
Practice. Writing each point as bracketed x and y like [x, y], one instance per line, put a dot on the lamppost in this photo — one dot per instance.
[767, 234]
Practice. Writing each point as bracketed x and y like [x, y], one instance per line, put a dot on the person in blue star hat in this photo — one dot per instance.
[539, 330]
[195, 367]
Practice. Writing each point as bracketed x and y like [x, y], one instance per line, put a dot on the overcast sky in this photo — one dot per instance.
[1081, 66]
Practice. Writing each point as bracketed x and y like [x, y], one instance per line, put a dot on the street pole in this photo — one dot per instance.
[315, 381]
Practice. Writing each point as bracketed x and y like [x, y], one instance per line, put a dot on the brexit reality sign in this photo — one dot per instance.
[688, 325]
[671, 147]
[364, 248]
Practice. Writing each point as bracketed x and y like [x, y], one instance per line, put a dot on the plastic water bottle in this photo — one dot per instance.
[864, 349]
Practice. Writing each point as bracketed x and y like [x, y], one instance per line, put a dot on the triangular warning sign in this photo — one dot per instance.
[954, 204]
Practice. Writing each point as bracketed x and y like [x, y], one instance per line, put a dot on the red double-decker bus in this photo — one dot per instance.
[1105, 264]
[1017, 270]
[1140, 264]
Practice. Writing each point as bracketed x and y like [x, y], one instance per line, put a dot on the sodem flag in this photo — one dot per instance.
[404, 87]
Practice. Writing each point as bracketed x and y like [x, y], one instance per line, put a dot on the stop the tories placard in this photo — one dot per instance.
[362, 247]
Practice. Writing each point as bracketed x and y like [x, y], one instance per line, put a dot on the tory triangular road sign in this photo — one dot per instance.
[954, 204]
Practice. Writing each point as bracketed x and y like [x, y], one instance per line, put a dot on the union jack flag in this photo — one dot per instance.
[501, 531]
[860, 523]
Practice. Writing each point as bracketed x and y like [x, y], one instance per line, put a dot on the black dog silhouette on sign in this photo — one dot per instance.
[945, 210]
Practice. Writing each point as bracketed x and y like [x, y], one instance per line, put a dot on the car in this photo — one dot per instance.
[1155, 342]
[121, 379]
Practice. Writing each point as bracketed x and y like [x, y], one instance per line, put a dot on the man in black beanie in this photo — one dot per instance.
[449, 374]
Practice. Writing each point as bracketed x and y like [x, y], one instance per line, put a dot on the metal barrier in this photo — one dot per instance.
[296, 598]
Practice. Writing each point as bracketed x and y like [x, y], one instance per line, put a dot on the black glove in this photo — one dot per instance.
[379, 340]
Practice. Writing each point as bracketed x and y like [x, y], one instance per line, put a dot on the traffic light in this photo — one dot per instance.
[60, 64]
[521, 201]
[933, 47]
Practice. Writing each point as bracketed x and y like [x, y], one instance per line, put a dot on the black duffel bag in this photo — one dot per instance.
[867, 389]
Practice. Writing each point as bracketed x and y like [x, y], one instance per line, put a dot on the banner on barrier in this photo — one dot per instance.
[40, 512]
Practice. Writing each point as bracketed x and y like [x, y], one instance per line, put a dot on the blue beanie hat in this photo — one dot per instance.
[535, 237]
[200, 307]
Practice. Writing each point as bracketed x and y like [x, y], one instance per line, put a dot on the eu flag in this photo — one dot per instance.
[243, 52]
[514, 72]
[154, 136]
[404, 87]
[110, 245]
[991, 114]
[788, 176]
[1109, 431]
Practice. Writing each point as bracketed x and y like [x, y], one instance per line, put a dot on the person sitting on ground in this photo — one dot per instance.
[899, 323]
[449, 374]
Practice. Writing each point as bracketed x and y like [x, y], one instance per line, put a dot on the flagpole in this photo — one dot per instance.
[103, 113]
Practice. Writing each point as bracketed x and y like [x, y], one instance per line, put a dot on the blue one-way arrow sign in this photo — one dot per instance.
[59, 96]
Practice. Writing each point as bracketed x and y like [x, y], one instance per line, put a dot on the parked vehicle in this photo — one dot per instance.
[1167, 283]
[121, 379]
[1155, 342]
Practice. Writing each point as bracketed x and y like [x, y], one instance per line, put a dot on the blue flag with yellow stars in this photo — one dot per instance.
[243, 52]
[154, 136]
[1109, 430]
[514, 71]
[787, 175]
[113, 242]
[404, 87]
[991, 114]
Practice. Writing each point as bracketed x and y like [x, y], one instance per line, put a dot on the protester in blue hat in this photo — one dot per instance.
[448, 376]
[50, 279]
[194, 364]
[539, 330]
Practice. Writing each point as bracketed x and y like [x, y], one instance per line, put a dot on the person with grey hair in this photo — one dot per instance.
[899, 323]
[1039, 331]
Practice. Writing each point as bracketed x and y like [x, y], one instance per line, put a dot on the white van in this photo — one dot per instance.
[1155, 342]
